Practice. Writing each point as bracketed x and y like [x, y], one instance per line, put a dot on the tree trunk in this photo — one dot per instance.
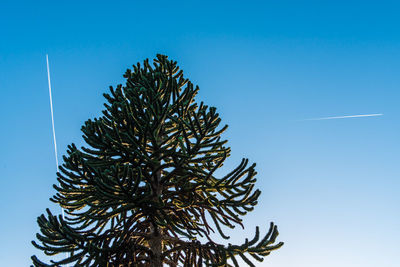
[156, 248]
[156, 242]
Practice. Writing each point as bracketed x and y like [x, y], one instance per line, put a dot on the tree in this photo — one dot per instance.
[144, 191]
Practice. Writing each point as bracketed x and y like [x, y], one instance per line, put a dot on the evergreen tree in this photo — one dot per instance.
[144, 191]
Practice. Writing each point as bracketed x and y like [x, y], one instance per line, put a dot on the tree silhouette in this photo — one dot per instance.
[144, 191]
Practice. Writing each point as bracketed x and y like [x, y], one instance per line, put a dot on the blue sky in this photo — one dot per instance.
[332, 186]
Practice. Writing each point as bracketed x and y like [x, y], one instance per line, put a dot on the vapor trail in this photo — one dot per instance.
[52, 119]
[345, 117]
[51, 110]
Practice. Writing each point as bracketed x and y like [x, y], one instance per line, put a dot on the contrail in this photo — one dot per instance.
[345, 117]
[52, 120]
[51, 111]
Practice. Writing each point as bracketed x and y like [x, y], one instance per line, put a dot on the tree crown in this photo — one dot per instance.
[143, 192]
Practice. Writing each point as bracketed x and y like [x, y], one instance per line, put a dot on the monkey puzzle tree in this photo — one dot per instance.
[144, 191]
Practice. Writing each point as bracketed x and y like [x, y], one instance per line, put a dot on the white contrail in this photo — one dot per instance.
[51, 110]
[52, 120]
[345, 117]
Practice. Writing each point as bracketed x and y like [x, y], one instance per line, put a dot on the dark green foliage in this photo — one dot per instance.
[143, 192]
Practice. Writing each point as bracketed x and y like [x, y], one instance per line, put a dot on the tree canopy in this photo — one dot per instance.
[143, 191]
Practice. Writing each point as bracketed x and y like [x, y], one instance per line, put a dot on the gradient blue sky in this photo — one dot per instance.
[331, 186]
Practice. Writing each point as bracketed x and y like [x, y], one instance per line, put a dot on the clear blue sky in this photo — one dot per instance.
[332, 186]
